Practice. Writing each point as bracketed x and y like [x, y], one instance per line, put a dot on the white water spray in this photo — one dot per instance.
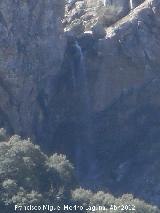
[131, 4]
[86, 148]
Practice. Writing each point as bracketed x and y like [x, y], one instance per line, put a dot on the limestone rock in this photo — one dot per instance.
[98, 31]
[31, 53]
[131, 125]
[89, 12]
[128, 56]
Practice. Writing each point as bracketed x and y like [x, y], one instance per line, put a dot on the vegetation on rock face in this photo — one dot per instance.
[126, 203]
[29, 177]
[83, 16]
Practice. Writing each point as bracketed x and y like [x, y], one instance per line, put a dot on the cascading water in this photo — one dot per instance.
[81, 79]
[85, 151]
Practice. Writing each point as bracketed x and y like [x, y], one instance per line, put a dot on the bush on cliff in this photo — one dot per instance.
[30, 177]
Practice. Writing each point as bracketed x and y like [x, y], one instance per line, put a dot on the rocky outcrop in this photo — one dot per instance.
[128, 136]
[82, 15]
[123, 81]
[127, 57]
[123, 75]
[31, 53]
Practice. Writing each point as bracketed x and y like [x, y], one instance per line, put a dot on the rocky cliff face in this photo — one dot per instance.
[91, 95]
[123, 81]
[31, 52]
[126, 54]
[128, 136]
[127, 57]
[94, 15]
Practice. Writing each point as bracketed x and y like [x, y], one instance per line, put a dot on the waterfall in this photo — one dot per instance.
[82, 81]
[85, 151]
[131, 5]
[107, 2]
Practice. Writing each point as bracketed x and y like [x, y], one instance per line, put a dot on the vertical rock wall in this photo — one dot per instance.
[128, 56]
[31, 53]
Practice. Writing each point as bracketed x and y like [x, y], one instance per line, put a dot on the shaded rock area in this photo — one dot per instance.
[123, 80]
[31, 52]
[128, 136]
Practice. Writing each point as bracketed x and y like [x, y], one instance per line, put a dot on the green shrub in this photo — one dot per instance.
[29, 177]
[87, 198]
